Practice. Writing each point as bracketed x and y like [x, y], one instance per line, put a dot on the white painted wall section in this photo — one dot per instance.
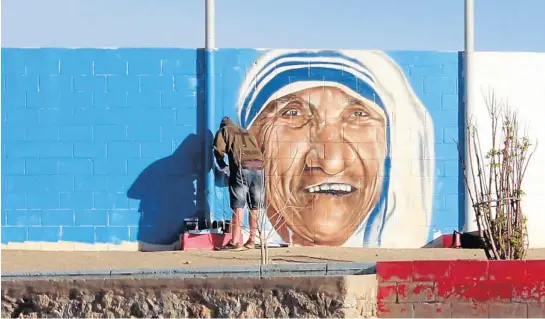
[519, 78]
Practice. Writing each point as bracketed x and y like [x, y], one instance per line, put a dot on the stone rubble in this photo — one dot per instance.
[162, 303]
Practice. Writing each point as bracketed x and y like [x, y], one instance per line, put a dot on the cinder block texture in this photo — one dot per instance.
[105, 146]
[461, 288]
[97, 141]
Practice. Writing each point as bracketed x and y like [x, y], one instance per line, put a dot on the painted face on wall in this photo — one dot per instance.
[340, 169]
[325, 151]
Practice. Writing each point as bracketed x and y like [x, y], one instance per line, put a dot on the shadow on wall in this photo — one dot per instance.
[167, 194]
[170, 189]
[462, 128]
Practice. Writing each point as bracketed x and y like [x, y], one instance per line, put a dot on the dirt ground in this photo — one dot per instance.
[13, 260]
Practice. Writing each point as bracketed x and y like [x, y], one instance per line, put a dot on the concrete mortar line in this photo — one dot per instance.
[262, 271]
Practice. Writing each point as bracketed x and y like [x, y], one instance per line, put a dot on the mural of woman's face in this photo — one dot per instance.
[325, 153]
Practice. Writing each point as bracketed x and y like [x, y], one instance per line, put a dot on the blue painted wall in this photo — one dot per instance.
[90, 137]
[436, 78]
[103, 146]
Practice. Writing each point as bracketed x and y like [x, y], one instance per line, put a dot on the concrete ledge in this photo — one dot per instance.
[272, 270]
[294, 270]
[352, 268]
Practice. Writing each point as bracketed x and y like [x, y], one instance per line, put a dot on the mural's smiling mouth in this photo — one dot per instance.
[334, 189]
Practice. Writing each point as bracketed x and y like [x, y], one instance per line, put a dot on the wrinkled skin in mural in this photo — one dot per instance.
[326, 172]
[325, 123]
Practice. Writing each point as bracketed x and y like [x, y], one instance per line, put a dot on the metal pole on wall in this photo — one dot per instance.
[210, 29]
[469, 30]
[469, 98]
[210, 104]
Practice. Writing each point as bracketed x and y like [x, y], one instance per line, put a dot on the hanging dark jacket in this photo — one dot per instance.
[239, 145]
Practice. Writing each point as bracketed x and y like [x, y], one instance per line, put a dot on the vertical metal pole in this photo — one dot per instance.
[210, 30]
[469, 30]
[469, 98]
[210, 104]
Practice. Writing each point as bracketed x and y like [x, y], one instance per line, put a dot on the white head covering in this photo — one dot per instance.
[402, 216]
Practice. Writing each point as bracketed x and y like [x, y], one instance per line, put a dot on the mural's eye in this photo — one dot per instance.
[291, 112]
[359, 113]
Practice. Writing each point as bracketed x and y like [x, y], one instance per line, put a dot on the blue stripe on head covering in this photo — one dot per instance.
[298, 71]
[302, 75]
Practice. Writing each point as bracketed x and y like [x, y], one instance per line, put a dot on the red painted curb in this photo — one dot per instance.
[461, 288]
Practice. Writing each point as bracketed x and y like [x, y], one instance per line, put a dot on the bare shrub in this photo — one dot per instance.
[494, 179]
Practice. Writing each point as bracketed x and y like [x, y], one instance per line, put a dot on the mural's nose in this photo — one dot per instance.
[329, 150]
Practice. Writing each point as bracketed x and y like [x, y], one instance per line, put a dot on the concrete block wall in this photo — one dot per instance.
[461, 288]
[516, 78]
[104, 146]
[436, 78]
[98, 146]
